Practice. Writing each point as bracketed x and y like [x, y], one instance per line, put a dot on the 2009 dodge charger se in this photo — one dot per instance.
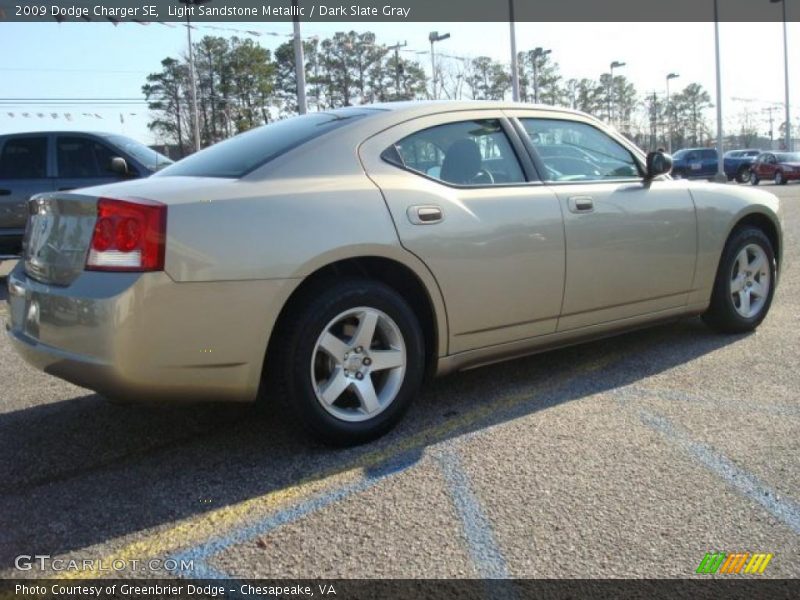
[332, 260]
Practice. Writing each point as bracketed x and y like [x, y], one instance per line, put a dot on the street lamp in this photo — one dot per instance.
[720, 176]
[614, 65]
[669, 118]
[786, 76]
[192, 82]
[299, 61]
[435, 37]
[514, 65]
[536, 54]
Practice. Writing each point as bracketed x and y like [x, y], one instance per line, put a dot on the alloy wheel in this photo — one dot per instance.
[750, 281]
[358, 364]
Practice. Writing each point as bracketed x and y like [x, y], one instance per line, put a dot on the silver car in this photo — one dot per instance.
[331, 261]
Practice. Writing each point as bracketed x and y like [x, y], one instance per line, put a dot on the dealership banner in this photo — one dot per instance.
[147, 11]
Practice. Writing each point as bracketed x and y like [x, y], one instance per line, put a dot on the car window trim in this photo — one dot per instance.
[527, 169]
[539, 163]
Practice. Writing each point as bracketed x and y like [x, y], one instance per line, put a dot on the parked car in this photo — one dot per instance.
[781, 167]
[703, 163]
[695, 163]
[330, 261]
[58, 161]
[737, 164]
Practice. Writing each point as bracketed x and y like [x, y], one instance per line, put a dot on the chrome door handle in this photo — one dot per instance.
[580, 204]
[425, 215]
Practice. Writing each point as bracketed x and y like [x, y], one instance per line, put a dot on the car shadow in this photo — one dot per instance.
[82, 472]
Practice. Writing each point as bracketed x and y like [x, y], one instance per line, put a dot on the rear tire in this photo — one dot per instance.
[745, 283]
[342, 384]
[780, 179]
[753, 178]
[743, 175]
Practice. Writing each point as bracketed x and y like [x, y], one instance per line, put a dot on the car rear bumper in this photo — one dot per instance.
[143, 337]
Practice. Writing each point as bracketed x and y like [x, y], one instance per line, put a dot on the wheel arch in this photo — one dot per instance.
[766, 223]
[411, 280]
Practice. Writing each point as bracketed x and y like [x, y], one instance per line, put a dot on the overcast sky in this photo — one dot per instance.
[98, 60]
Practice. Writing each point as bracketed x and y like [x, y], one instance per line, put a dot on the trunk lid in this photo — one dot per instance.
[57, 236]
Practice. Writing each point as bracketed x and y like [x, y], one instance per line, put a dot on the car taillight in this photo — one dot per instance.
[128, 236]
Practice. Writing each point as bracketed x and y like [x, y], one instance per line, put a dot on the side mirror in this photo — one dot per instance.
[658, 163]
[119, 166]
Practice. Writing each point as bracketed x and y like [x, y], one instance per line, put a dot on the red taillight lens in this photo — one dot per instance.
[128, 236]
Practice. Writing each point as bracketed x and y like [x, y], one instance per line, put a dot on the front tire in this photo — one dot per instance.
[743, 175]
[753, 178]
[349, 362]
[745, 283]
[780, 179]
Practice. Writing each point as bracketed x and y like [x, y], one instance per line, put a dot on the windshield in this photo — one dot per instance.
[788, 156]
[147, 156]
[239, 155]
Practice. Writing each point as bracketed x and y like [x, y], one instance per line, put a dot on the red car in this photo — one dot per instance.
[781, 167]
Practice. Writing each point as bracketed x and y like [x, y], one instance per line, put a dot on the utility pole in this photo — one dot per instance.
[299, 61]
[786, 78]
[769, 110]
[192, 81]
[396, 49]
[514, 65]
[720, 177]
[432, 38]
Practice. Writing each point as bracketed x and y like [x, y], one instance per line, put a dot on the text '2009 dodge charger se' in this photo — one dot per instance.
[332, 260]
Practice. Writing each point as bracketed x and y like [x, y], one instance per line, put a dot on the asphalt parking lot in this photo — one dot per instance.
[631, 457]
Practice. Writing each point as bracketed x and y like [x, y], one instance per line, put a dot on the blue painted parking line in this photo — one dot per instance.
[481, 543]
[784, 509]
[200, 553]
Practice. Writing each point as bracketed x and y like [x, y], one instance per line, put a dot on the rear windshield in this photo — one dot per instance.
[239, 155]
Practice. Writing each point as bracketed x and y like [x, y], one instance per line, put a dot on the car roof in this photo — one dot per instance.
[104, 134]
[420, 108]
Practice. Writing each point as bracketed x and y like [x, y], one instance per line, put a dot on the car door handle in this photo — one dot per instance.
[5, 192]
[425, 215]
[580, 204]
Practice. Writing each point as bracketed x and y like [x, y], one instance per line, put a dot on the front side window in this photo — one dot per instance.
[474, 153]
[82, 158]
[24, 158]
[573, 151]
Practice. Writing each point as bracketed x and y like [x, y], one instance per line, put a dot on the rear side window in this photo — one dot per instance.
[574, 151]
[466, 153]
[709, 154]
[24, 158]
[82, 158]
[239, 155]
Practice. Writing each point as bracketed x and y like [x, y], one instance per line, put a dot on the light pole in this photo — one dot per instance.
[720, 177]
[614, 65]
[432, 38]
[669, 116]
[299, 62]
[536, 54]
[514, 65]
[786, 77]
[192, 82]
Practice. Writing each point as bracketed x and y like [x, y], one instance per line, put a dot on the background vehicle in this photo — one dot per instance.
[694, 163]
[702, 163]
[737, 164]
[58, 161]
[781, 167]
[330, 261]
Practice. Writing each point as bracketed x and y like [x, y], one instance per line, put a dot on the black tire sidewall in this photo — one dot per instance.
[722, 313]
[310, 324]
